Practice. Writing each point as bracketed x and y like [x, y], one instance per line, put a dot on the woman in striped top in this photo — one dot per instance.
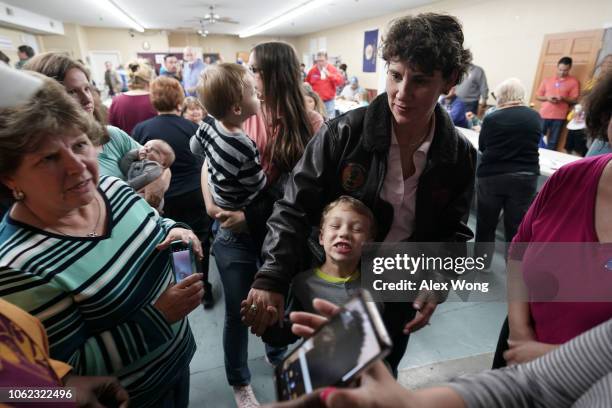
[86, 255]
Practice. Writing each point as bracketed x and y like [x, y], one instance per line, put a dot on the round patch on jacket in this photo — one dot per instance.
[353, 176]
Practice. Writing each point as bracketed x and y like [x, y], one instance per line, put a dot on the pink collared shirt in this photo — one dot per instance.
[400, 193]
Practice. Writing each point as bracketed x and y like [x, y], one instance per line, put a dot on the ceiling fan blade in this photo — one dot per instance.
[227, 20]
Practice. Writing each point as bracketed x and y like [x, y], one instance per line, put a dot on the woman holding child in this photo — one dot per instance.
[183, 200]
[281, 128]
[401, 156]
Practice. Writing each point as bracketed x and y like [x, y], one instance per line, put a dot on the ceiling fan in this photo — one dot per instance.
[212, 18]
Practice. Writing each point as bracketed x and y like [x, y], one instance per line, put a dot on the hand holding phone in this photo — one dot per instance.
[337, 352]
[182, 259]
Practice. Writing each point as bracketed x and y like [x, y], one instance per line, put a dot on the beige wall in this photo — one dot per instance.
[15, 37]
[106, 39]
[73, 42]
[504, 36]
[227, 46]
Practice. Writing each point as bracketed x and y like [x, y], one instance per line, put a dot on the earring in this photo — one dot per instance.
[18, 195]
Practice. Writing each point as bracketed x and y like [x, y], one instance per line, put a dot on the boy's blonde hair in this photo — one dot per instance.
[355, 205]
[221, 87]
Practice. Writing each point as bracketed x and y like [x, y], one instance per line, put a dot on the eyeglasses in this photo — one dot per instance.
[254, 70]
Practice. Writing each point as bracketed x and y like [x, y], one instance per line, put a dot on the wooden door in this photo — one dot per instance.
[582, 46]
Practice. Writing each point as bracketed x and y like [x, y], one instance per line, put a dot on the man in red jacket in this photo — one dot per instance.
[324, 79]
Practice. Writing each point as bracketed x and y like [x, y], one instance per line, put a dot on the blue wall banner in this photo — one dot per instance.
[370, 48]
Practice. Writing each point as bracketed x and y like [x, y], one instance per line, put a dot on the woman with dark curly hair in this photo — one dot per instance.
[401, 156]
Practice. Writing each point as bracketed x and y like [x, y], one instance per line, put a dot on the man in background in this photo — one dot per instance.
[324, 78]
[473, 89]
[112, 79]
[557, 94]
[170, 67]
[24, 52]
[192, 68]
[352, 91]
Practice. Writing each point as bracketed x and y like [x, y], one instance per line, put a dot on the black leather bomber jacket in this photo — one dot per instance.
[349, 156]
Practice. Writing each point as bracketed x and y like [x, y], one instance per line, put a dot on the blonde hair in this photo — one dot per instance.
[140, 74]
[191, 102]
[510, 90]
[222, 86]
[356, 206]
[319, 106]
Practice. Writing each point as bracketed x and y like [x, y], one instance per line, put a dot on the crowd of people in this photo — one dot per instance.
[249, 162]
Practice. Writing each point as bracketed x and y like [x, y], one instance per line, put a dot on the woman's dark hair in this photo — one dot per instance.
[430, 42]
[27, 50]
[56, 66]
[598, 107]
[285, 111]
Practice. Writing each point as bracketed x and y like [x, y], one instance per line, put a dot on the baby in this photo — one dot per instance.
[228, 93]
[146, 164]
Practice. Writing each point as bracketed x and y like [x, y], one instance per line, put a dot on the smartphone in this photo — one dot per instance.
[182, 259]
[337, 352]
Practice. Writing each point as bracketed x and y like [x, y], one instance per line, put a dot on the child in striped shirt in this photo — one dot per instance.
[235, 176]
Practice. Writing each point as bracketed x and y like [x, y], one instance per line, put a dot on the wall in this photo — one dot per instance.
[505, 37]
[128, 45]
[14, 37]
[227, 46]
[73, 42]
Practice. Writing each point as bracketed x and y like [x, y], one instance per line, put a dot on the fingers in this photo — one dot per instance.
[190, 280]
[302, 331]
[325, 307]
[341, 398]
[510, 356]
[312, 400]
[165, 243]
[422, 298]
[249, 318]
[197, 248]
[310, 320]
[261, 319]
[281, 312]
[421, 319]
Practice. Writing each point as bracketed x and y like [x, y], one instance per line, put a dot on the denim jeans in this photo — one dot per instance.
[330, 108]
[512, 192]
[553, 128]
[237, 261]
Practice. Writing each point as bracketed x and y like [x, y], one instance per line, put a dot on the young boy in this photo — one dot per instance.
[145, 165]
[235, 176]
[346, 224]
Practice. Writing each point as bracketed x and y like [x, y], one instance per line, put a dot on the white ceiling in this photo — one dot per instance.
[172, 15]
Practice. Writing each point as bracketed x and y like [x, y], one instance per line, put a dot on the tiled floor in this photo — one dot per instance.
[457, 340]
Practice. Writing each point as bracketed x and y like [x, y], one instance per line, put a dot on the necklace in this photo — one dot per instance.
[91, 234]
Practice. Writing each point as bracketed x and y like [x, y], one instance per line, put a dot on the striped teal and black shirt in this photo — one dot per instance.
[95, 295]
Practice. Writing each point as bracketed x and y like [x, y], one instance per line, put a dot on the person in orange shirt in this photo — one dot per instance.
[325, 78]
[25, 363]
[557, 94]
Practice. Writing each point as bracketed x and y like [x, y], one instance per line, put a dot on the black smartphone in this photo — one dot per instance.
[182, 259]
[337, 352]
